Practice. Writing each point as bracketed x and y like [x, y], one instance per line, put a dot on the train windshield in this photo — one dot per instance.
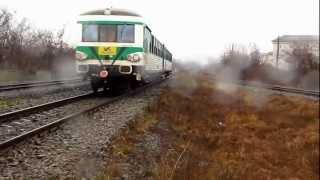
[108, 33]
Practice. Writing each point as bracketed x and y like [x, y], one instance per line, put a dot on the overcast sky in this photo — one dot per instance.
[189, 28]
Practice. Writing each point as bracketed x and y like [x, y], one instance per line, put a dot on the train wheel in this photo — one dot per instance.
[112, 88]
[115, 90]
[94, 89]
[132, 84]
[167, 75]
[94, 86]
[107, 88]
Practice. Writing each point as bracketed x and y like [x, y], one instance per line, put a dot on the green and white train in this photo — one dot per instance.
[118, 48]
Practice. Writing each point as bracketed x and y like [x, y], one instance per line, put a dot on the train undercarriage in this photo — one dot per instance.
[116, 79]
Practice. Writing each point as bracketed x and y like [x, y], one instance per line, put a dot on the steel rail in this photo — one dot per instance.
[57, 123]
[283, 89]
[279, 88]
[42, 107]
[10, 87]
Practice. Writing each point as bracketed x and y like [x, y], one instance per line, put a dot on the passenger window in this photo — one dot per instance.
[89, 33]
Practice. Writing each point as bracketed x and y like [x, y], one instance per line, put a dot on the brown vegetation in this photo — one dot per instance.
[28, 49]
[303, 62]
[126, 157]
[218, 135]
[233, 138]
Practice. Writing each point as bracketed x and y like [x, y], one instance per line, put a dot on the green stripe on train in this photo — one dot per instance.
[121, 52]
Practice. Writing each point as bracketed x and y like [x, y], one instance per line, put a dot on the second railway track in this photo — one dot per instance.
[284, 89]
[42, 107]
[18, 86]
[14, 130]
[305, 92]
[19, 122]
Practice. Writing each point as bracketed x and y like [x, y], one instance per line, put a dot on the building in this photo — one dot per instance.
[284, 45]
[267, 58]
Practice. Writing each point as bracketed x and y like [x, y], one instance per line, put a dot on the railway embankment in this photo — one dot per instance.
[188, 127]
[77, 148]
[198, 129]
[23, 98]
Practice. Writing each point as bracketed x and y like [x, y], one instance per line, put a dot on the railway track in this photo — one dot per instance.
[283, 89]
[311, 93]
[9, 139]
[26, 111]
[10, 87]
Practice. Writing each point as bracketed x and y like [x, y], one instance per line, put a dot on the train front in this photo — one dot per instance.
[111, 49]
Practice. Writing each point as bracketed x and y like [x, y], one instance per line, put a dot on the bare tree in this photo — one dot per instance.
[5, 23]
[234, 55]
[247, 66]
[302, 61]
[255, 57]
[26, 48]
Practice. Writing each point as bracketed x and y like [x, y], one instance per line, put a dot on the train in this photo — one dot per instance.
[118, 49]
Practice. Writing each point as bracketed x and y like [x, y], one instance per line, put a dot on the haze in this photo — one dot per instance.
[191, 29]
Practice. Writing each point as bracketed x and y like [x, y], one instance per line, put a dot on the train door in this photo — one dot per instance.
[163, 61]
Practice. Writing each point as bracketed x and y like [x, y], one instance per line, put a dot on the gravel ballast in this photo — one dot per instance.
[23, 124]
[77, 149]
[19, 99]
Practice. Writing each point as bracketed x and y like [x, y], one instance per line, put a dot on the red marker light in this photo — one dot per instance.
[103, 74]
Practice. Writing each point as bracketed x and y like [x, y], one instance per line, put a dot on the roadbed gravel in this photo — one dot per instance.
[77, 149]
[19, 99]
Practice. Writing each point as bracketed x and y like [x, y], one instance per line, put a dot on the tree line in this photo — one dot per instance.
[23, 47]
[304, 66]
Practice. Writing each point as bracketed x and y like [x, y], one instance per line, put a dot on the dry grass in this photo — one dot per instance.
[233, 138]
[8, 103]
[124, 146]
[220, 135]
[7, 77]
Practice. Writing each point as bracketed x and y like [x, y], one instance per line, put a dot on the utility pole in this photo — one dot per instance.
[278, 47]
[232, 49]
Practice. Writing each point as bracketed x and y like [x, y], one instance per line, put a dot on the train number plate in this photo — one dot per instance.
[107, 51]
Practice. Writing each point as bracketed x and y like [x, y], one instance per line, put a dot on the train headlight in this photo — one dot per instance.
[103, 74]
[81, 55]
[130, 57]
[134, 57]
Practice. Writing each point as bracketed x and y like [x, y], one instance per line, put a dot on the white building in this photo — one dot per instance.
[284, 45]
[267, 58]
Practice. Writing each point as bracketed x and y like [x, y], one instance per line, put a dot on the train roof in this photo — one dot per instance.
[111, 11]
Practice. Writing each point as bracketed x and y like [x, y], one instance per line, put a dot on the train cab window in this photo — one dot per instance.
[108, 33]
[125, 33]
[117, 33]
[89, 33]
